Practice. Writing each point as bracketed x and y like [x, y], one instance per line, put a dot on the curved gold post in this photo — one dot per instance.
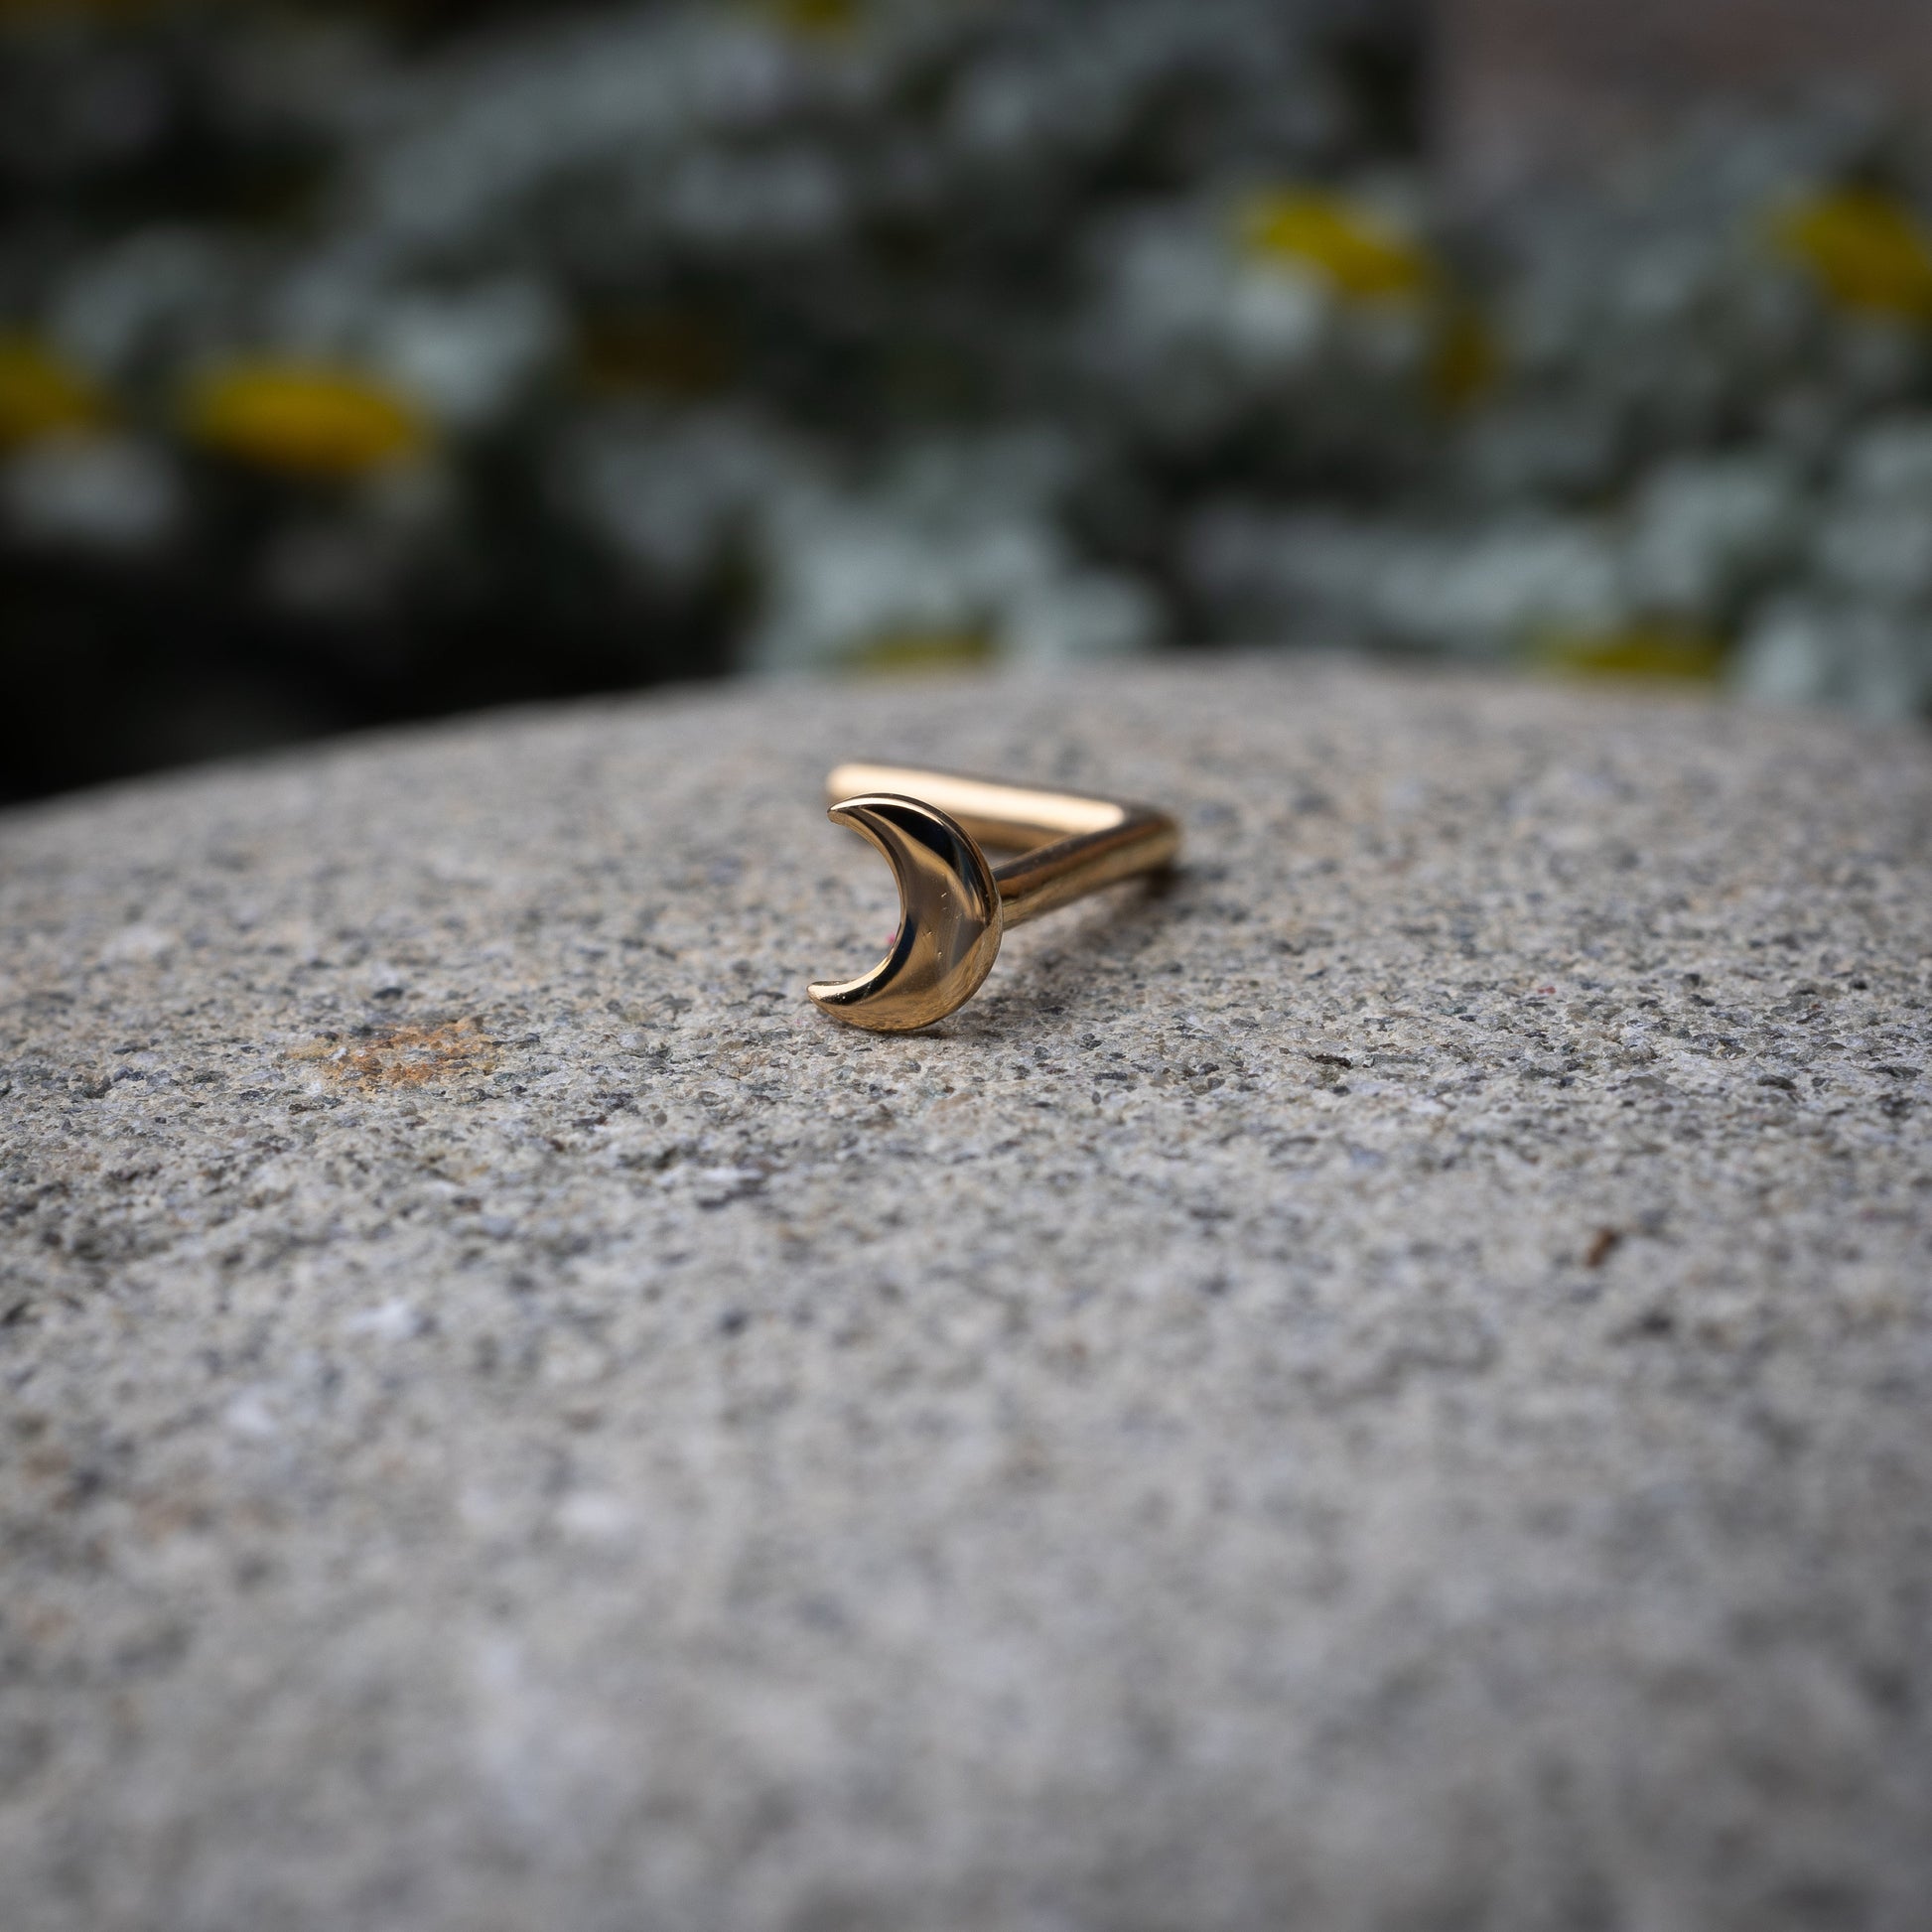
[955, 904]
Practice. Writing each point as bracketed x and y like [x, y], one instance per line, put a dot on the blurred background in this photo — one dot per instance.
[368, 363]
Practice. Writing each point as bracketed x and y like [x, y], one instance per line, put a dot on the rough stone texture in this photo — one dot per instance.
[1384, 1388]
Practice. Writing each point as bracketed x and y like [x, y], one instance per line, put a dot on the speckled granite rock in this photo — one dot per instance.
[1384, 1388]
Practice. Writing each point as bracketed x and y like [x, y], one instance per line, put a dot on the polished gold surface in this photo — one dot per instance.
[949, 922]
[955, 904]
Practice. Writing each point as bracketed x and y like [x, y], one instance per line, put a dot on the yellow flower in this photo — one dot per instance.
[1466, 360]
[1867, 250]
[304, 419]
[894, 653]
[1362, 255]
[1645, 650]
[41, 395]
[681, 353]
[824, 20]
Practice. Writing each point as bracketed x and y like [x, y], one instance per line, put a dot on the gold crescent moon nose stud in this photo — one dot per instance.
[954, 903]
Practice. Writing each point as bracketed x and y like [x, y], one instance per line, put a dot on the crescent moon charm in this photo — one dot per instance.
[949, 923]
[953, 904]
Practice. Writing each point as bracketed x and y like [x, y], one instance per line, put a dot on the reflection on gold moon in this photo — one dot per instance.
[949, 921]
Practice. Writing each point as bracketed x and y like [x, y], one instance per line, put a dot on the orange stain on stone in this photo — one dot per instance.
[404, 1057]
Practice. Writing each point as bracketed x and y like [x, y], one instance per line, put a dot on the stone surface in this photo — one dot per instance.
[1386, 1387]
